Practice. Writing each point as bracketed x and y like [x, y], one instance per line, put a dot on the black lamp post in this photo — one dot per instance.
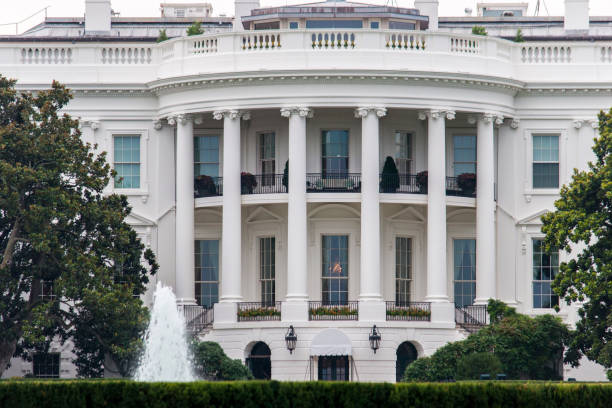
[374, 339]
[291, 339]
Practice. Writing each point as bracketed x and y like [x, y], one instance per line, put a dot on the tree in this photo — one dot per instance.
[528, 348]
[211, 363]
[69, 263]
[471, 366]
[479, 30]
[162, 36]
[582, 224]
[195, 28]
[519, 36]
[390, 176]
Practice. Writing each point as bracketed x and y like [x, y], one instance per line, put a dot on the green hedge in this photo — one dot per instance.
[251, 394]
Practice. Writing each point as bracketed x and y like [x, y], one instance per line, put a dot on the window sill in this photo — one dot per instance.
[132, 192]
[540, 192]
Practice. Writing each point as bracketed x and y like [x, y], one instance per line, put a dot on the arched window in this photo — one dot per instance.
[406, 354]
[259, 361]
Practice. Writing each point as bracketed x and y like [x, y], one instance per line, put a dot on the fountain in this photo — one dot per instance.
[166, 355]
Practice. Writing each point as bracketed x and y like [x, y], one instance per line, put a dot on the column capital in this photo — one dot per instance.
[515, 123]
[437, 114]
[301, 111]
[362, 112]
[231, 114]
[486, 118]
[157, 124]
[93, 124]
[577, 124]
[181, 118]
[594, 123]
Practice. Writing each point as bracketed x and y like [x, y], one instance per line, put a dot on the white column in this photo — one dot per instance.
[184, 238]
[371, 305]
[485, 211]
[296, 306]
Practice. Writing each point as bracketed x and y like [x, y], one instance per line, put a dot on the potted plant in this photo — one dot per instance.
[205, 186]
[467, 183]
[247, 182]
[390, 181]
[421, 180]
[286, 176]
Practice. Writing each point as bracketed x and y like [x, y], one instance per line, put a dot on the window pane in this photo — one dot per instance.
[464, 154]
[464, 252]
[403, 269]
[207, 272]
[544, 266]
[267, 248]
[126, 158]
[545, 175]
[334, 269]
[206, 155]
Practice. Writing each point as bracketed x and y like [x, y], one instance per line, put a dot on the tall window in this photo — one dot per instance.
[335, 153]
[207, 272]
[464, 154]
[333, 368]
[267, 269]
[465, 271]
[403, 152]
[545, 161]
[403, 270]
[206, 155]
[545, 268]
[127, 161]
[334, 271]
[46, 291]
[46, 365]
[267, 158]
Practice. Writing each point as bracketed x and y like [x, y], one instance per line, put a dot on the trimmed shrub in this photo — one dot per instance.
[272, 394]
[469, 367]
[211, 363]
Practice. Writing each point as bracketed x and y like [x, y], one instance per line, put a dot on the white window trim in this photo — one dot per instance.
[528, 182]
[412, 157]
[143, 191]
[277, 169]
[413, 256]
[450, 147]
[450, 261]
[211, 132]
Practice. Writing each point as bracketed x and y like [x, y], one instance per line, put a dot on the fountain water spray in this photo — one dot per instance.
[166, 356]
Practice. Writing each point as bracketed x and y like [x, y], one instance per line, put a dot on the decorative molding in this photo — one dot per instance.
[171, 120]
[157, 124]
[437, 114]
[487, 118]
[362, 112]
[515, 123]
[198, 119]
[183, 119]
[577, 123]
[499, 120]
[594, 123]
[231, 114]
[302, 111]
[93, 124]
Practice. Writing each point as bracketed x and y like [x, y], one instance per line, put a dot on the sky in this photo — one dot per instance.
[12, 11]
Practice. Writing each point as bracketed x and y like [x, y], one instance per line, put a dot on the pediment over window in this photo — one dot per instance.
[533, 219]
[461, 216]
[408, 214]
[334, 211]
[137, 220]
[207, 216]
[262, 214]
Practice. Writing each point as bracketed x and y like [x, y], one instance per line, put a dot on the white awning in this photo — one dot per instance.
[331, 342]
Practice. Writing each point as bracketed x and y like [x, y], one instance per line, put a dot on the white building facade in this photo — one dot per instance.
[202, 128]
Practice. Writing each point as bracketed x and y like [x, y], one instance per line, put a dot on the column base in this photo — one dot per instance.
[443, 312]
[372, 311]
[226, 312]
[294, 311]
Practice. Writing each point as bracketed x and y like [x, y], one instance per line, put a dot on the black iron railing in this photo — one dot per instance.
[321, 311]
[401, 183]
[471, 317]
[259, 311]
[263, 184]
[333, 183]
[197, 318]
[206, 186]
[411, 311]
[453, 188]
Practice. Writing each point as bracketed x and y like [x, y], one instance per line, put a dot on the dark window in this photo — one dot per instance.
[334, 272]
[267, 157]
[206, 155]
[401, 25]
[334, 24]
[403, 270]
[374, 25]
[46, 291]
[335, 153]
[46, 365]
[406, 354]
[207, 272]
[465, 271]
[267, 249]
[127, 161]
[334, 368]
[294, 25]
[545, 161]
[273, 25]
[464, 154]
[259, 361]
[545, 268]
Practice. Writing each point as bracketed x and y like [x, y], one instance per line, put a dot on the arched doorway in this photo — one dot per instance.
[406, 354]
[259, 361]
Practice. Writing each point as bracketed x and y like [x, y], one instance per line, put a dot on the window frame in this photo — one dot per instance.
[52, 354]
[454, 160]
[266, 181]
[219, 152]
[410, 280]
[532, 240]
[534, 162]
[452, 264]
[411, 147]
[219, 269]
[339, 278]
[262, 280]
[529, 191]
[143, 190]
[324, 171]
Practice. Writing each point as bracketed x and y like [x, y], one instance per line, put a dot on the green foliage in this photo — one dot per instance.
[57, 226]
[498, 310]
[211, 363]
[390, 176]
[255, 394]
[582, 222]
[519, 36]
[162, 36]
[479, 30]
[195, 28]
[470, 366]
[528, 348]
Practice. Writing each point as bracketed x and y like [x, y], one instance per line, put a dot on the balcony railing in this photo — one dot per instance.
[206, 186]
[453, 188]
[410, 311]
[259, 311]
[263, 184]
[321, 311]
[401, 183]
[471, 317]
[197, 318]
[333, 183]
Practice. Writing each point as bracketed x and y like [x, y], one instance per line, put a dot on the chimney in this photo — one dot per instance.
[243, 8]
[428, 8]
[97, 17]
[576, 16]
